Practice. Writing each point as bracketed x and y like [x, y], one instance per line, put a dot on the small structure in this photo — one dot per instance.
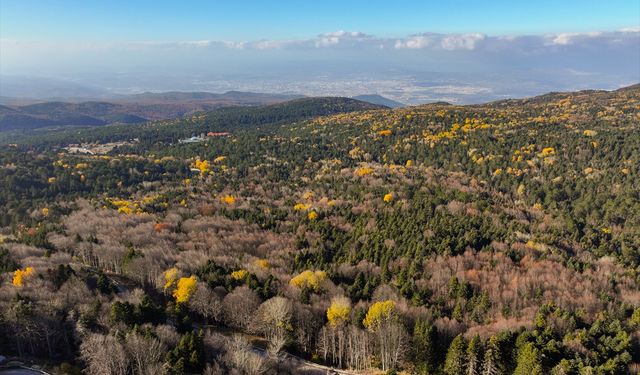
[193, 139]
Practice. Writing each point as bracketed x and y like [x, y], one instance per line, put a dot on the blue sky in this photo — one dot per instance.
[126, 20]
[412, 51]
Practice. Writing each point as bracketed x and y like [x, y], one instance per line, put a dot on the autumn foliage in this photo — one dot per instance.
[185, 288]
[20, 275]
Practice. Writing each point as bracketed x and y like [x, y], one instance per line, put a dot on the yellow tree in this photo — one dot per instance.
[184, 290]
[170, 277]
[379, 312]
[228, 199]
[239, 274]
[20, 275]
[309, 279]
[338, 312]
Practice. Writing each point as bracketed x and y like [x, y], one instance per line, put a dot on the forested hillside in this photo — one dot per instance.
[490, 239]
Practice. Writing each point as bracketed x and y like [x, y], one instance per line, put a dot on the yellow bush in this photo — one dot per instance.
[186, 287]
[312, 215]
[263, 263]
[360, 172]
[339, 311]
[20, 275]
[228, 199]
[548, 151]
[388, 197]
[203, 166]
[309, 279]
[219, 159]
[301, 207]
[170, 277]
[590, 133]
[385, 132]
[51, 180]
[379, 312]
[239, 274]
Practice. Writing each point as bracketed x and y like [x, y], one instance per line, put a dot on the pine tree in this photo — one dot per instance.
[529, 362]
[474, 352]
[492, 364]
[455, 361]
[424, 347]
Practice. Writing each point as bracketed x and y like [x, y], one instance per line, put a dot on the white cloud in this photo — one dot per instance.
[272, 44]
[632, 29]
[414, 42]
[564, 39]
[449, 42]
[334, 38]
[235, 45]
[461, 41]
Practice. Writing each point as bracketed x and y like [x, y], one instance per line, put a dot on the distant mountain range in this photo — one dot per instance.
[380, 100]
[25, 113]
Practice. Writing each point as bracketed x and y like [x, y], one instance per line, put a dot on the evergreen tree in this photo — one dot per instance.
[474, 353]
[529, 362]
[492, 364]
[455, 361]
[424, 347]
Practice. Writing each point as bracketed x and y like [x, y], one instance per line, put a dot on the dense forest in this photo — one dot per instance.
[323, 233]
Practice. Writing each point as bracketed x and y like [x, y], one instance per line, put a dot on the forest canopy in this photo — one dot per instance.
[501, 238]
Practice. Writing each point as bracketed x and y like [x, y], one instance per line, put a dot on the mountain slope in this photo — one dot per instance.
[131, 109]
[380, 100]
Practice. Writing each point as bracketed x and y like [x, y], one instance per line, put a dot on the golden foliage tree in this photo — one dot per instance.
[20, 275]
[339, 310]
[379, 312]
[170, 277]
[184, 290]
[309, 279]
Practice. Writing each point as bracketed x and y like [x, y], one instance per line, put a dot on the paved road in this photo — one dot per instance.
[20, 371]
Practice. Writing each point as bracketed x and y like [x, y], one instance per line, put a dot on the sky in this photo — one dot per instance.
[413, 51]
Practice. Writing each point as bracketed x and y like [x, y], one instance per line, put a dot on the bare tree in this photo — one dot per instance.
[145, 354]
[392, 344]
[241, 356]
[240, 306]
[104, 355]
[274, 321]
[206, 303]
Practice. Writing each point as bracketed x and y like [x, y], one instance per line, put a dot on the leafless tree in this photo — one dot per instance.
[145, 354]
[206, 303]
[240, 306]
[241, 356]
[104, 355]
[274, 321]
[392, 344]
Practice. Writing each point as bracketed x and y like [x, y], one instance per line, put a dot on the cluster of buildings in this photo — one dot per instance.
[202, 137]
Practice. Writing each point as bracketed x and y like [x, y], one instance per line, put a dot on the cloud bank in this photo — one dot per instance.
[411, 68]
